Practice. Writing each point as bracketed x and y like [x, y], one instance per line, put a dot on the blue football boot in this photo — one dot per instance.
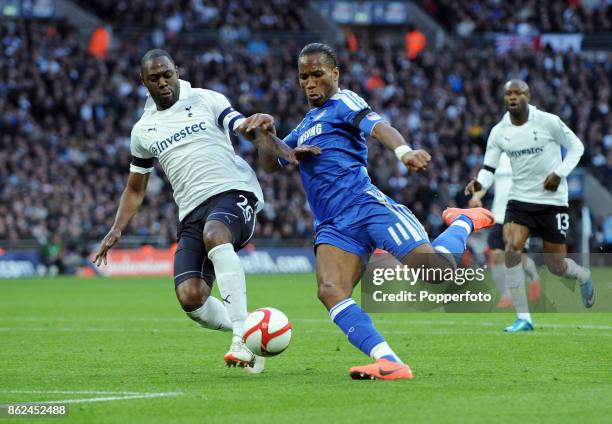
[519, 325]
[588, 292]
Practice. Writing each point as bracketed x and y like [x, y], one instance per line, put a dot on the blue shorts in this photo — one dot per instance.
[373, 221]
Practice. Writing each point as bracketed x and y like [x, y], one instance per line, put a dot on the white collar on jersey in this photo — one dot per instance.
[532, 111]
[185, 91]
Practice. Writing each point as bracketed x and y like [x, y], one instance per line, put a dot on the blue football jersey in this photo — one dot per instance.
[336, 177]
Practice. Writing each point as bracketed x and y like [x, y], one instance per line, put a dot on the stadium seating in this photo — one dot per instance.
[65, 117]
[521, 17]
[189, 15]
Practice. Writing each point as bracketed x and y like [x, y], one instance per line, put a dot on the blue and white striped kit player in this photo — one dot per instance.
[352, 216]
[350, 212]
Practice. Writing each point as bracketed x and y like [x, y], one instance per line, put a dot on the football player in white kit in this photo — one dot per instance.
[187, 130]
[538, 199]
[501, 187]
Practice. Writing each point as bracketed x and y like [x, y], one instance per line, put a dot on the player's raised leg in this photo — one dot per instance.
[447, 249]
[515, 236]
[559, 264]
[218, 240]
[461, 223]
[337, 273]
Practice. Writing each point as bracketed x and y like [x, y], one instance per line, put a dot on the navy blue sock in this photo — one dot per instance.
[454, 239]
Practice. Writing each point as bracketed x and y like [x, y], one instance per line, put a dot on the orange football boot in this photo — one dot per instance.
[534, 290]
[480, 217]
[383, 369]
[504, 302]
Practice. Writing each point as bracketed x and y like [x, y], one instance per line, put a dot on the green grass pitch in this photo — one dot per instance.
[122, 351]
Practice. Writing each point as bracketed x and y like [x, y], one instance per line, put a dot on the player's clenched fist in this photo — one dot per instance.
[552, 181]
[416, 160]
[109, 241]
[472, 187]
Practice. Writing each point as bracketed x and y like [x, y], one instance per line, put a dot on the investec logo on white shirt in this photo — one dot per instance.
[530, 151]
[159, 146]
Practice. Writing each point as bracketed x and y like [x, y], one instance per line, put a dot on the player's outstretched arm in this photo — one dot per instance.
[259, 128]
[268, 161]
[268, 155]
[130, 202]
[415, 160]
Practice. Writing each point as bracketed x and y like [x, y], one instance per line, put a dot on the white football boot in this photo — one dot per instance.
[239, 355]
[258, 367]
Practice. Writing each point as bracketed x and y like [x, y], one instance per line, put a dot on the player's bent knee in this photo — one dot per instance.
[325, 290]
[215, 234]
[330, 293]
[190, 294]
[512, 255]
[556, 267]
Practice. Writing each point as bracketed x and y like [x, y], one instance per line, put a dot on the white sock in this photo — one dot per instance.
[530, 268]
[515, 279]
[576, 271]
[232, 284]
[498, 271]
[212, 314]
[383, 349]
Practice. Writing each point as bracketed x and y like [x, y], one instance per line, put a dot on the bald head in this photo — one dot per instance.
[516, 100]
[517, 84]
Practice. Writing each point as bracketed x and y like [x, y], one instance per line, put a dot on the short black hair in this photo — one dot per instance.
[152, 54]
[319, 48]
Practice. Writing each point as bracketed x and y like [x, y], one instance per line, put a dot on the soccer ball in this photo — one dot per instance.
[267, 332]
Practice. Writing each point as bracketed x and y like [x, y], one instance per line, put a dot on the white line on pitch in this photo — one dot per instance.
[98, 330]
[117, 395]
[112, 398]
[73, 392]
[94, 319]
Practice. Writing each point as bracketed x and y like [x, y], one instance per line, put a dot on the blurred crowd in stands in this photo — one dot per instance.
[524, 17]
[66, 116]
[177, 16]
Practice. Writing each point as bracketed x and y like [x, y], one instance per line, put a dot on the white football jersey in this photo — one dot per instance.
[191, 141]
[534, 149]
[501, 185]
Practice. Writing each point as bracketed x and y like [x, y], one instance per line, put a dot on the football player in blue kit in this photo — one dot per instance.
[352, 216]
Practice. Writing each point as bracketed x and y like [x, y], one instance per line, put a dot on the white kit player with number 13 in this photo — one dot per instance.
[538, 199]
